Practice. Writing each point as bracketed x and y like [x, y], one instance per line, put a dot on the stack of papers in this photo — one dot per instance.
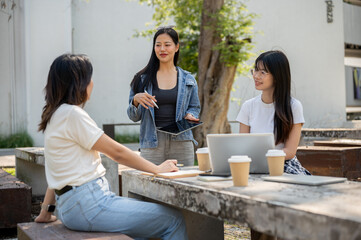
[213, 178]
[179, 174]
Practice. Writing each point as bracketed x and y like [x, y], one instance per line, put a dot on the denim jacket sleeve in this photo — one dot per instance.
[194, 106]
[134, 113]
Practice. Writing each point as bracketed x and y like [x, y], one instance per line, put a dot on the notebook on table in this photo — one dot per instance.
[254, 145]
[179, 174]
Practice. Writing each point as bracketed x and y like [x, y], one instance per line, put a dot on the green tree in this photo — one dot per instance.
[215, 40]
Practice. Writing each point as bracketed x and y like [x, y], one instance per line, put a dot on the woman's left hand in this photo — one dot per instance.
[191, 118]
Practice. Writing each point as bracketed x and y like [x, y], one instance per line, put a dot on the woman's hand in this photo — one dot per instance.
[144, 99]
[191, 118]
[168, 166]
[45, 217]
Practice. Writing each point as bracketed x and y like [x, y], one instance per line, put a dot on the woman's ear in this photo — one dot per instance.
[177, 47]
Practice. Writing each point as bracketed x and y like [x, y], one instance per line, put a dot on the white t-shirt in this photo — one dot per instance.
[260, 116]
[69, 136]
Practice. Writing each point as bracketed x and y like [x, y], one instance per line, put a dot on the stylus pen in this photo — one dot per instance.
[152, 100]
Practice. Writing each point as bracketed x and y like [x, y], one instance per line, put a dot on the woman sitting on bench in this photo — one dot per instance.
[74, 170]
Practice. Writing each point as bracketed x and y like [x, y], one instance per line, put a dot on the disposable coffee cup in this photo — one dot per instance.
[203, 159]
[240, 169]
[276, 161]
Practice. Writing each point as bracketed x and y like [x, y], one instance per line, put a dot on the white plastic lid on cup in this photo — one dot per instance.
[202, 150]
[239, 159]
[275, 153]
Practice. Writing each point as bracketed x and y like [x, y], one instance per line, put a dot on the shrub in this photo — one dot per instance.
[127, 138]
[22, 139]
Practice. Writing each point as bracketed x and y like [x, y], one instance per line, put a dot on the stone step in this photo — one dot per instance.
[15, 201]
[56, 230]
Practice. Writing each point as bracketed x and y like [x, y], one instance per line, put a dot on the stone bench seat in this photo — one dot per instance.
[15, 201]
[331, 161]
[56, 230]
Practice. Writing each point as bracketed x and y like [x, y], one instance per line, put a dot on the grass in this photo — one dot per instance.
[22, 139]
[10, 170]
[127, 138]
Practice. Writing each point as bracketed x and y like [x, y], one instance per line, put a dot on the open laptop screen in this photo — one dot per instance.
[254, 145]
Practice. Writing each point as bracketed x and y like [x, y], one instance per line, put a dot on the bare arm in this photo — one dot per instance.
[44, 215]
[125, 156]
[293, 140]
[244, 128]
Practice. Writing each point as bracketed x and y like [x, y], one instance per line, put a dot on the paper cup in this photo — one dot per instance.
[239, 169]
[203, 159]
[276, 161]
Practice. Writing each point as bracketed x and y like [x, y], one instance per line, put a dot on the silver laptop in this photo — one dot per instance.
[254, 145]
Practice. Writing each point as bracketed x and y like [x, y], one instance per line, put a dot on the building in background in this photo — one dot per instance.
[316, 35]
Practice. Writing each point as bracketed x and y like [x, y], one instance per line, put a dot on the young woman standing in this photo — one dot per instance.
[163, 93]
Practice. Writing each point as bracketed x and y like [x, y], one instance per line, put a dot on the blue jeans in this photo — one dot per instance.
[92, 207]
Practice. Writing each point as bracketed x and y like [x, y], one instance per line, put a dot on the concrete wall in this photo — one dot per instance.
[315, 50]
[352, 18]
[47, 35]
[6, 70]
[104, 30]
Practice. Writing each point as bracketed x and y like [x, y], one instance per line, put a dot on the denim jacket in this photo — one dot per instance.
[187, 102]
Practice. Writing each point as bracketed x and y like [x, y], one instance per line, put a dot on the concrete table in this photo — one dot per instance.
[288, 211]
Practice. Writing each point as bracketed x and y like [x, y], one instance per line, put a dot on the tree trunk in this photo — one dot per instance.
[215, 79]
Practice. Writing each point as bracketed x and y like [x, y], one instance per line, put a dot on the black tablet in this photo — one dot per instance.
[179, 127]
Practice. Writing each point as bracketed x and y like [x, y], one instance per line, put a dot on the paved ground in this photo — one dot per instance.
[7, 158]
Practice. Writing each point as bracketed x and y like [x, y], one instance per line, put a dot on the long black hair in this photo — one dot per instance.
[150, 70]
[276, 63]
[68, 79]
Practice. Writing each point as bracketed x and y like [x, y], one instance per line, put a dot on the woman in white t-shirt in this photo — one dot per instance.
[74, 172]
[275, 110]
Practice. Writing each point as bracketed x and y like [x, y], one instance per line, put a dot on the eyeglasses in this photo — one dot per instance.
[256, 71]
[165, 27]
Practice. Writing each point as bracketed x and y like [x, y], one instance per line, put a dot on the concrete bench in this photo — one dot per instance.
[30, 169]
[56, 230]
[331, 161]
[15, 201]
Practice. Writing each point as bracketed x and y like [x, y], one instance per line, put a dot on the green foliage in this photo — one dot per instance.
[127, 138]
[235, 28]
[22, 139]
